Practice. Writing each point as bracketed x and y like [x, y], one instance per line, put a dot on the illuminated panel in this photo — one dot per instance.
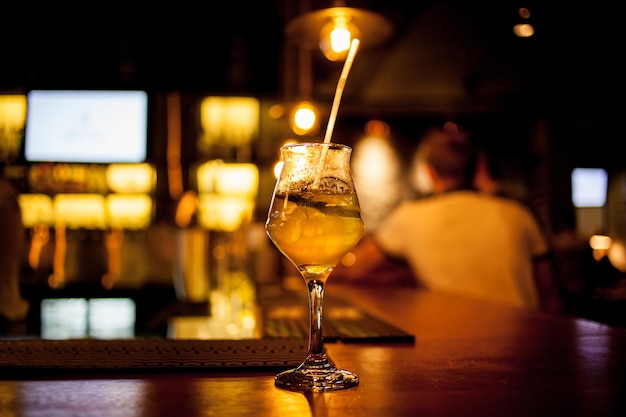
[112, 318]
[220, 212]
[130, 178]
[36, 209]
[12, 120]
[589, 187]
[226, 194]
[129, 211]
[231, 120]
[66, 178]
[13, 111]
[240, 179]
[207, 174]
[103, 318]
[77, 211]
[64, 318]
[86, 126]
[219, 177]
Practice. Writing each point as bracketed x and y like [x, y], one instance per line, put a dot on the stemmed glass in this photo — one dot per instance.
[314, 220]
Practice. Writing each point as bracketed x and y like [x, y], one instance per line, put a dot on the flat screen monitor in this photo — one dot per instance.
[589, 187]
[86, 126]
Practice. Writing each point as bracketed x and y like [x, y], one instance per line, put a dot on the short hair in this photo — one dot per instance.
[450, 153]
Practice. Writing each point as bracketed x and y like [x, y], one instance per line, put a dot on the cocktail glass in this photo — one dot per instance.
[314, 220]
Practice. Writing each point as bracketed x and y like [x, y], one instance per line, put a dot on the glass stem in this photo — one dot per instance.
[316, 295]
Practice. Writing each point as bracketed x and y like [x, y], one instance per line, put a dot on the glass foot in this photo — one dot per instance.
[306, 379]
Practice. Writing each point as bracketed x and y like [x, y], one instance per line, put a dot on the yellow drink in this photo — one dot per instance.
[315, 229]
[314, 220]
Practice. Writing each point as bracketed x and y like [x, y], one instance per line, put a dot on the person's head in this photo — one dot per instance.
[449, 157]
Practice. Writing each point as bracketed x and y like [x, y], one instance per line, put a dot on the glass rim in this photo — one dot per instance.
[330, 145]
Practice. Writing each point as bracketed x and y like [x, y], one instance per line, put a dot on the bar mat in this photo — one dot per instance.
[285, 315]
[149, 354]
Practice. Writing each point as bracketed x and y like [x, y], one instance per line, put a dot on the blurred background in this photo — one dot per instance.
[181, 219]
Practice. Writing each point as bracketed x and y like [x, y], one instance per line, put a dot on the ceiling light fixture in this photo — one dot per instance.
[333, 29]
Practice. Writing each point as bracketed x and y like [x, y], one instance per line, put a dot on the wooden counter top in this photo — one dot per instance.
[469, 358]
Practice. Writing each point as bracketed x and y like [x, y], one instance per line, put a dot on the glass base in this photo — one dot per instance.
[306, 379]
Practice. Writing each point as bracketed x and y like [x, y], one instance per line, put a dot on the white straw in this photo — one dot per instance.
[340, 86]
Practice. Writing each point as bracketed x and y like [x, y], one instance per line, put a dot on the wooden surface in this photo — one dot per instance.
[469, 359]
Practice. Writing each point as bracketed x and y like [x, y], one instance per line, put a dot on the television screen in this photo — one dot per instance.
[86, 126]
[589, 187]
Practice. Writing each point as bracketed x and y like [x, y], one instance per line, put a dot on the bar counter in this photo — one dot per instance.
[469, 358]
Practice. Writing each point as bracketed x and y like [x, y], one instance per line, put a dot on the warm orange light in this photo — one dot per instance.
[12, 120]
[57, 278]
[186, 208]
[225, 178]
[237, 179]
[276, 111]
[304, 119]
[36, 209]
[278, 168]
[335, 37]
[227, 194]
[39, 238]
[601, 245]
[77, 211]
[12, 111]
[340, 35]
[129, 211]
[524, 30]
[113, 242]
[131, 178]
[224, 212]
[349, 259]
[229, 120]
[617, 255]
[375, 162]
[600, 242]
[174, 145]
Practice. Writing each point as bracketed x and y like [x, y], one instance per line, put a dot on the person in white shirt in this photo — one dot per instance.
[461, 240]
